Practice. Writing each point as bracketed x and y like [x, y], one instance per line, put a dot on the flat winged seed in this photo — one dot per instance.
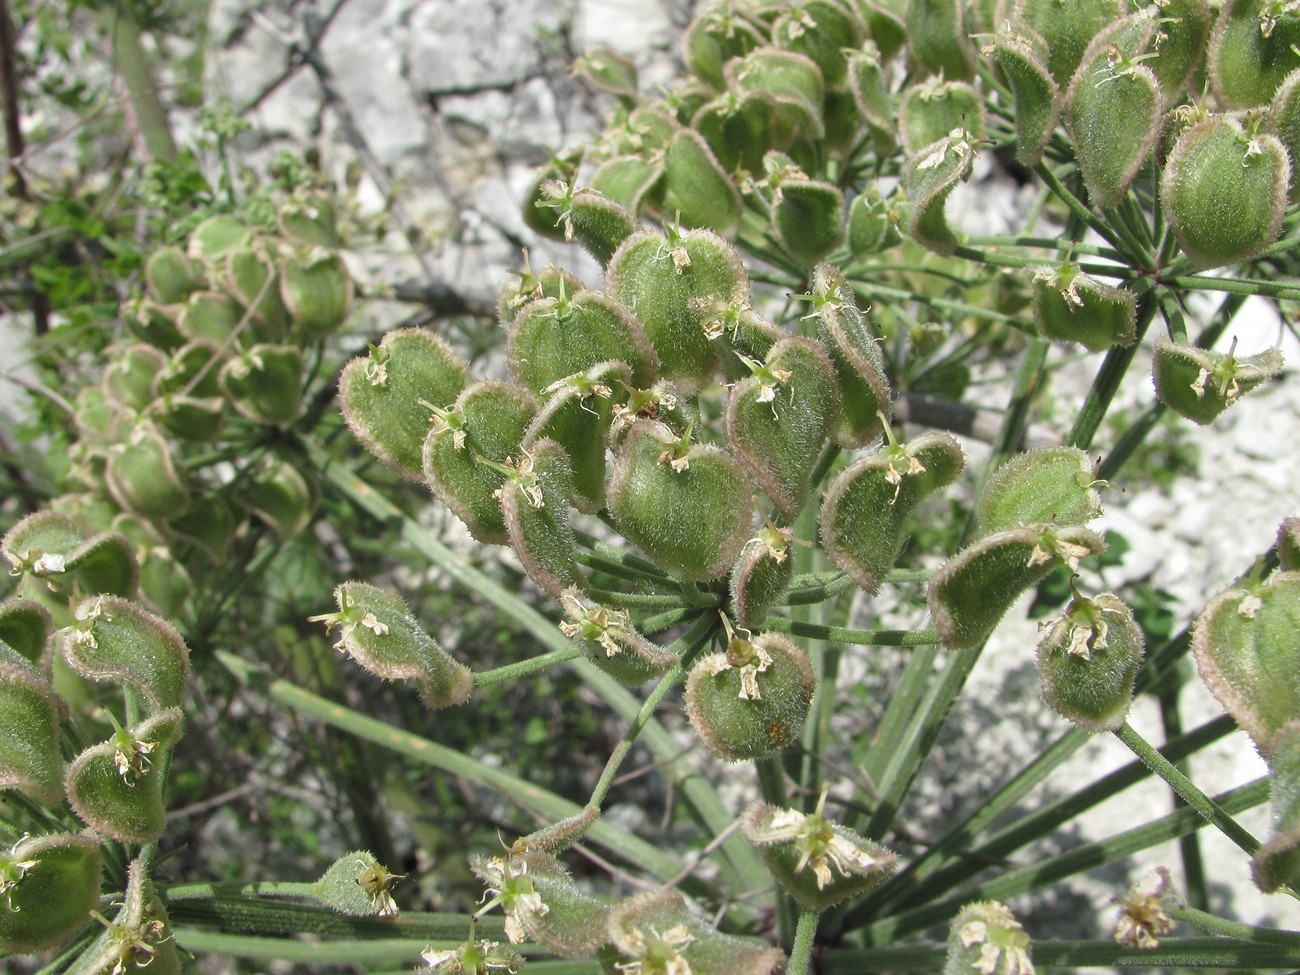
[1114, 118]
[58, 889]
[30, 760]
[116, 640]
[1225, 190]
[697, 191]
[1184, 26]
[535, 504]
[929, 177]
[316, 288]
[1251, 52]
[809, 219]
[383, 395]
[717, 36]
[554, 338]
[969, 596]
[143, 476]
[282, 493]
[1199, 384]
[778, 419]
[487, 423]
[865, 515]
[628, 180]
[752, 707]
[116, 788]
[26, 626]
[265, 383]
[872, 96]
[689, 512]
[1246, 651]
[1047, 485]
[1082, 309]
[1088, 661]
[792, 82]
[1067, 28]
[937, 39]
[578, 416]
[931, 109]
[665, 280]
[1022, 58]
[818, 861]
[859, 363]
[657, 925]
[760, 577]
[376, 629]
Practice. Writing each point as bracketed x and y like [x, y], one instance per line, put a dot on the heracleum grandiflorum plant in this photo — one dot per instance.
[698, 480]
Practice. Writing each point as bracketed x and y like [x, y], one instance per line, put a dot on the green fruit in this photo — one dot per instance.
[1224, 190]
[752, 701]
[930, 110]
[865, 514]
[377, 630]
[386, 398]
[116, 788]
[1199, 384]
[760, 576]
[1070, 306]
[48, 887]
[665, 280]
[487, 423]
[859, 364]
[116, 640]
[778, 419]
[969, 596]
[929, 177]
[1045, 486]
[535, 505]
[554, 338]
[1088, 661]
[687, 507]
[30, 761]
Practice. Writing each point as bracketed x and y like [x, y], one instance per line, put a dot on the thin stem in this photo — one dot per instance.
[1203, 805]
[1223, 928]
[862, 638]
[1108, 380]
[688, 644]
[805, 936]
[1077, 207]
[523, 668]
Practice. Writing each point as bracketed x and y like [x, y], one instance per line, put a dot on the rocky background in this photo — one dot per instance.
[441, 111]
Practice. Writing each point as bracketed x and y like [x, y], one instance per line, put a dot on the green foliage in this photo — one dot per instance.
[691, 476]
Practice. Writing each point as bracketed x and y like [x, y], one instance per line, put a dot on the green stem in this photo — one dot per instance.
[1203, 805]
[523, 668]
[1108, 380]
[805, 936]
[636, 600]
[1171, 953]
[1077, 207]
[142, 89]
[862, 638]
[687, 646]
[1223, 928]
[543, 803]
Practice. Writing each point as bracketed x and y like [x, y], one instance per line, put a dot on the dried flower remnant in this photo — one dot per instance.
[1144, 910]
[658, 953]
[509, 885]
[987, 938]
